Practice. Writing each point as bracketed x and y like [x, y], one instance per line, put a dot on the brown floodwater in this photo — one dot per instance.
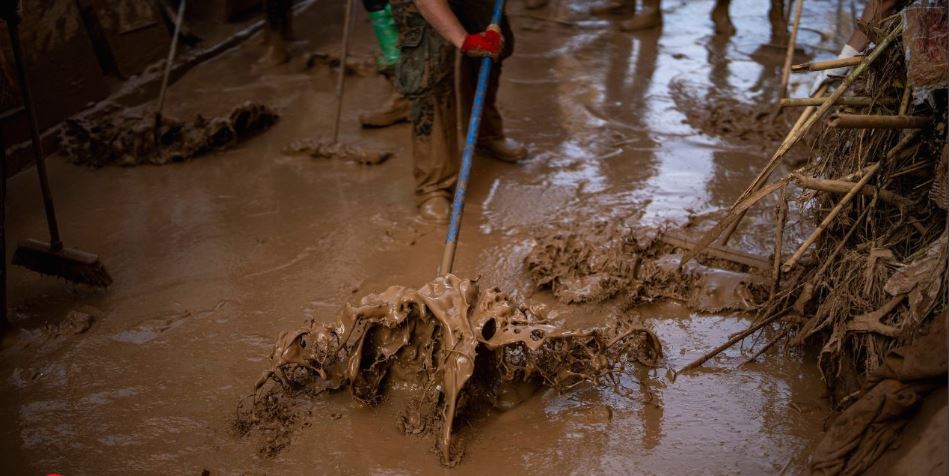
[214, 257]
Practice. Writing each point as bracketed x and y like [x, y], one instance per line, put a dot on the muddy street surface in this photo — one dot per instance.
[214, 257]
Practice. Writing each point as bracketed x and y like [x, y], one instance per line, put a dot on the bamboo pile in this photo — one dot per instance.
[870, 275]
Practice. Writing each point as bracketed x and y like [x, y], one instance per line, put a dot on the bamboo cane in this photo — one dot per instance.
[872, 121]
[730, 342]
[829, 64]
[829, 218]
[841, 186]
[852, 101]
[792, 43]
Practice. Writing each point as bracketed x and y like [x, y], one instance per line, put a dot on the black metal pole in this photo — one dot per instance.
[55, 242]
[4, 323]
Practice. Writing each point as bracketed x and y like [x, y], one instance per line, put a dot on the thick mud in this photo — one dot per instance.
[114, 137]
[462, 349]
[214, 258]
[593, 262]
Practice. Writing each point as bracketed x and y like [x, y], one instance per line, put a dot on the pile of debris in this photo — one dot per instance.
[464, 348]
[867, 284]
[122, 138]
[592, 262]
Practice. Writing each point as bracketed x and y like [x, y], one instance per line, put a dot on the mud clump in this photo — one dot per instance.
[723, 115]
[130, 139]
[355, 65]
[592, 262]
[465, 349]
[327, 150]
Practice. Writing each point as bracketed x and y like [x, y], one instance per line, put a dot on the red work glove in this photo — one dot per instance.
[487, 43]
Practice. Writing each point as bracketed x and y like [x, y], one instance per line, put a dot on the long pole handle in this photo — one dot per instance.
[171, 57]
[343, 56]
[474, 124]
[55, 242]
[3, 234]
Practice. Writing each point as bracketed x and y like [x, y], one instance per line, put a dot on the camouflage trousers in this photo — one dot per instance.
[425, 74]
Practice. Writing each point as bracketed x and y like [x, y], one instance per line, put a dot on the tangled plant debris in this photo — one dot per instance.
[463, 347]
[329, 150]
[592, 262]
[868, 281]
[130, 139]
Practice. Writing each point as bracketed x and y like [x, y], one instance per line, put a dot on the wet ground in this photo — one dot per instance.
[214, 257]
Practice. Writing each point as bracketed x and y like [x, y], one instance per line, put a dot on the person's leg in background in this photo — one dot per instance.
[279, 31]
[396, 109]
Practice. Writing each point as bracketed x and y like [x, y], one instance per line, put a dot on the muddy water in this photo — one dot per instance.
[213, 258]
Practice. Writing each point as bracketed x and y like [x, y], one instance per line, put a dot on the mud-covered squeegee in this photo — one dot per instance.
[474, 124]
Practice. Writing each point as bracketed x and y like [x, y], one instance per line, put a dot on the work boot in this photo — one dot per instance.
[504, 149]
[649, 18]
[277, 53]
[535, 4]
[394, 112]
[435, 209]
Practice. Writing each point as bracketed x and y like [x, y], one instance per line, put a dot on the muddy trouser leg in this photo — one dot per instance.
[279, 16]
[434, 146]
[424, 74]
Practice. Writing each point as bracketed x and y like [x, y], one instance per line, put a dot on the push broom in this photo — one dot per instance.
[49, 258]
[474, 124]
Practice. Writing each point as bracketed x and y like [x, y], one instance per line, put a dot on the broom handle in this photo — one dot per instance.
[172, 50]
[3, 234]
[474, 123]
[347, 21]
[55, 243]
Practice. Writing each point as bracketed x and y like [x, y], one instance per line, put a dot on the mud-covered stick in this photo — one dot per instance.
[867, 174]
[474, 124]
[730, 342]
[854, 101]
[876, 121]
[829, 64]
[172, 50]
[792, 43]
[780, 220]
[844, 186]
[829, 218]
[340, 80]
[805, 115]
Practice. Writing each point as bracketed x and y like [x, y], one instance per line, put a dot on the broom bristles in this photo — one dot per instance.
[70, 264]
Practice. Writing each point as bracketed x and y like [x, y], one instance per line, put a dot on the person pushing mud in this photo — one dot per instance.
[430, 31]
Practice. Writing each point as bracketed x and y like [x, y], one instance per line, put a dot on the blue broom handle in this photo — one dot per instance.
[474, 123]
